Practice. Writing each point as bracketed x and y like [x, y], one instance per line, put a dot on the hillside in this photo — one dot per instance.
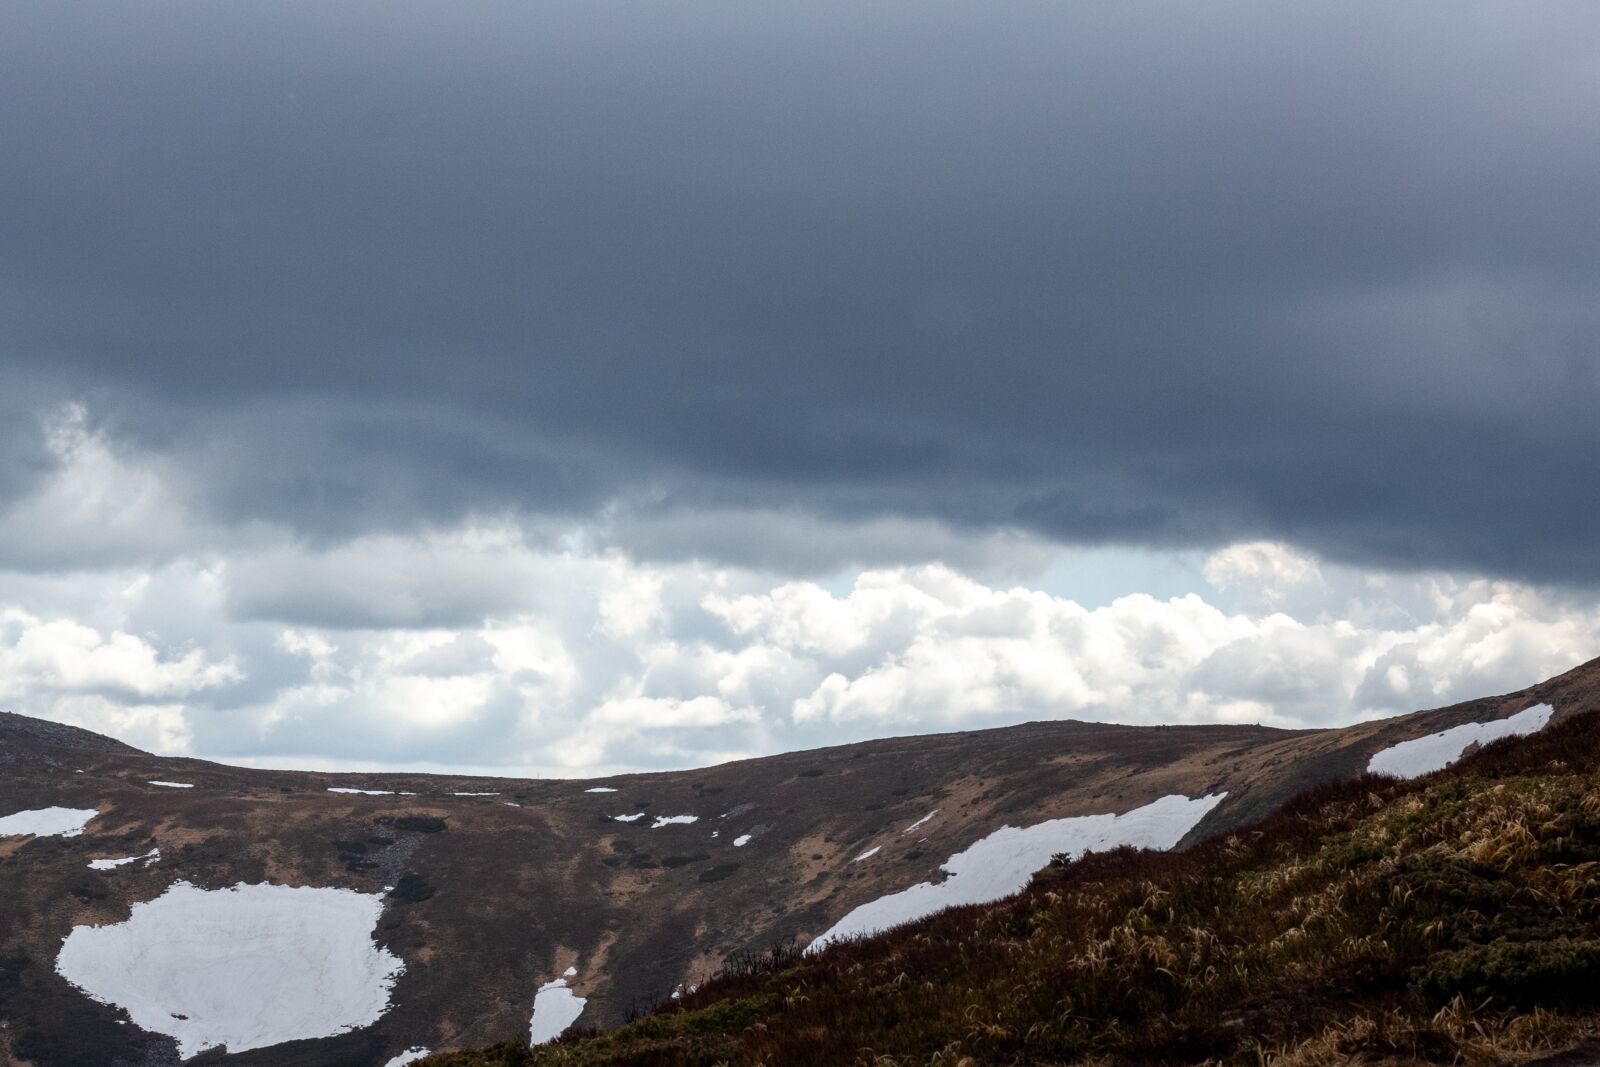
[464, 897]
[1449, 919]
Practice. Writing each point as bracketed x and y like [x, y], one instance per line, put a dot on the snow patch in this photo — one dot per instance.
[600, 789]
[173, 785]
[47, 822]
[474, 794]
[246, 967]
[628, 818]
[106, 865]
[362, 792]
[1424, 755]
[1002, 863]
[555, 1007]
[920, 821]
[868, 854]
[410, 1055]
[569, 972]
[741, 841]
[673, 820]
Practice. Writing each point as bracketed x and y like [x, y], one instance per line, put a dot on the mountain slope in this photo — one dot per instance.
[1449, 919]
[486, 898]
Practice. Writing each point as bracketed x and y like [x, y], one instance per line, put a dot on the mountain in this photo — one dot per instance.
[471, 895]
[1449, 919]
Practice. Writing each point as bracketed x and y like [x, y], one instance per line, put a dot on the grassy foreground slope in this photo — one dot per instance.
[1454, 919]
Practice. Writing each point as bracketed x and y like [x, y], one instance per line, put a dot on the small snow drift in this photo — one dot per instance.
[741, 841]
[555, 1007]
[361, 792]
[673, 820]
[920, 821]
[410, 1055]
[868, 854]
[1002, 863]
[106, 865]
[173, 785]
[247, 967]
[600, 789]
[47, 822]
[1424, 755]
[474, 794]
[628, 818]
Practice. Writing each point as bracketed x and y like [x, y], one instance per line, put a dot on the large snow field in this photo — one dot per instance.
[47, 822]
[1002, 863]
[555, 1007]
[246, 967]
[1424, 755]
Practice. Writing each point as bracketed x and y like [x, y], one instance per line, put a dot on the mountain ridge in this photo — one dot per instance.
[1447, 918]
[506, 892]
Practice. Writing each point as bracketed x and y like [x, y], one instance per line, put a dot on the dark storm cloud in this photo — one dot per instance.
[1113, 272]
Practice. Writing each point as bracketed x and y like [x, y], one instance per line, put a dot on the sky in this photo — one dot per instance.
[572, 388]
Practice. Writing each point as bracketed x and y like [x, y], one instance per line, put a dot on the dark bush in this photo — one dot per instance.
[1559, 971]
[411, 888]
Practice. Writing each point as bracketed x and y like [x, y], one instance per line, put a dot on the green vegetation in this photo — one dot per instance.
[1447, 920]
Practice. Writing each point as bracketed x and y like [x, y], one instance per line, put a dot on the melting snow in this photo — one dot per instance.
[363, 792]
[474, 794]
[247, 967]
[106, 865]
[555, 1007]
[174, 785]
[920, 821]
[569, 972]
[741, 841]
[868, 854]
[1424, 755]
[600, 789]
[47, 822]
[673, 820]
[410, 1055]
[627, 818]
[1002, 863]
